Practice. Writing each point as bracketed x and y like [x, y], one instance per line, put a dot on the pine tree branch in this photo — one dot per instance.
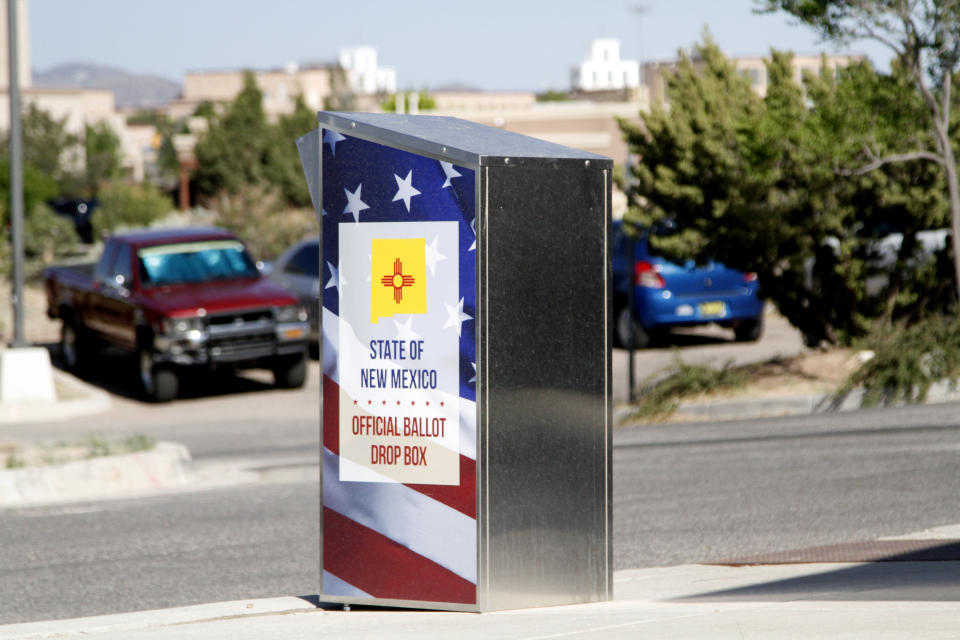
[885, 160]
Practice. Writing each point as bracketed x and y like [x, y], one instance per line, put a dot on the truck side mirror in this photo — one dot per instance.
[119, 282]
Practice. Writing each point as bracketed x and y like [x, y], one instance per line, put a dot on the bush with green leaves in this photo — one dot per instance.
[907, 361]
[129, 206]
[47, 236]
[258, 215]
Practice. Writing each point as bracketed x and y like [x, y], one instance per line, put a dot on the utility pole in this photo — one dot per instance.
[16, 174]
[25, 372]
[640, 10]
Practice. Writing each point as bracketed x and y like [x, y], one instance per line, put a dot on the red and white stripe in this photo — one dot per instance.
[395, 541]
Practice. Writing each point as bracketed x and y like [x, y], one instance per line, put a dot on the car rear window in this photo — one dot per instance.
[306, 261]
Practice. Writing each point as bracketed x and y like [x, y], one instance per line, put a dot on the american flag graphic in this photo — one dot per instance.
[386, 539]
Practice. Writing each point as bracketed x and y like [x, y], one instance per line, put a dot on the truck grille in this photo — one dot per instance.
[241, 336]
[242, 348]
[241, 318]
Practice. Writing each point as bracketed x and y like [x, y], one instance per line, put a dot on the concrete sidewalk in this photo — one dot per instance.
[877, 600]
[74, 398]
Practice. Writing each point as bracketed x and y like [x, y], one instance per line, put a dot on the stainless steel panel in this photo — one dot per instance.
[545, 431]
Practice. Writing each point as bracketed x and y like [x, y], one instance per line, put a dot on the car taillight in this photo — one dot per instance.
[647, 276]
[750, 276]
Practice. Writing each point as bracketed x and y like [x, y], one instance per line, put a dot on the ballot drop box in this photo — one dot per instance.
[466, 421]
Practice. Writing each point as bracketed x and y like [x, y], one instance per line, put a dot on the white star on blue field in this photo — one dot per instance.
[369, 182]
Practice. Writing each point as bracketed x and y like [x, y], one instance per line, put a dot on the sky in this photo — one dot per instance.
[486, 44]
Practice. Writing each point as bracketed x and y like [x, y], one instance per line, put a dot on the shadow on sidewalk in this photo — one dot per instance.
[116, 373]
[922, 570]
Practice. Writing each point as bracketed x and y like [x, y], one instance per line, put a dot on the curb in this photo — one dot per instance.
[89, 400]
[156, 619]
[164, 466]
[747, 408]
[940, 392]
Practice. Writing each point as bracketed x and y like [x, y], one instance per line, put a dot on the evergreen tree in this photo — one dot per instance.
[242, 149]
[754, 183]
[234, 151]
[283, 161]
[103, 158]
[925, 37]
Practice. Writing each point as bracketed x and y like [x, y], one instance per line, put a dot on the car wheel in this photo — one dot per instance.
[641, 338]
[749, 330]
[158, 384]
[290, 373]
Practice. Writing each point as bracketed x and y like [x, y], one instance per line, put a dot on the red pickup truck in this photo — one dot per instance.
[178, 299]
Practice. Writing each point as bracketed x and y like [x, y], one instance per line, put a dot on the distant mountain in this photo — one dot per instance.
[129, 89]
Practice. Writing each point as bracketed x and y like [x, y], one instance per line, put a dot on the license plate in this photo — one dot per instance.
[713, 309]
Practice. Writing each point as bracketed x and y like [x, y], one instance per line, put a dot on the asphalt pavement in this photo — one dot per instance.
[832, 593]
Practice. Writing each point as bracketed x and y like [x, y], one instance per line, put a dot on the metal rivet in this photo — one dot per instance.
[506, 161]
[587, 163]
[353, 125]
[443, 149]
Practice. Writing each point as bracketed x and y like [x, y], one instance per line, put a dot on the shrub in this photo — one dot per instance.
[127, 206]
[257, 215]
[47, 236]
[908, 360]
[662, 392]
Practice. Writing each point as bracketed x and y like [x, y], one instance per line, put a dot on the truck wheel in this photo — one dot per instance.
[73, 349]
[749, 330]
[641, 338]
[158, 384]
[290, 373]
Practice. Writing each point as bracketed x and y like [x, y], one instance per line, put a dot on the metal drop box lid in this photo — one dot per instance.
[467, 416]
[460, 141]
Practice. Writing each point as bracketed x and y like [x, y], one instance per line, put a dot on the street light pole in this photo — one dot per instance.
[16, 175]
[640, 10]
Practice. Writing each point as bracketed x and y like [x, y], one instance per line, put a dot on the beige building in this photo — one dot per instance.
[585, 125]
[280, 88]
[483, 101]
[753, 67]
[363, 76]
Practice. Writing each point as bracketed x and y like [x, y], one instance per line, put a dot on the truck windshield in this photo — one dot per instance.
[194, 262]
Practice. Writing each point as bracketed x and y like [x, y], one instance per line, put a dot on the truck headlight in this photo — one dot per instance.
[180, 326]
[293, 313]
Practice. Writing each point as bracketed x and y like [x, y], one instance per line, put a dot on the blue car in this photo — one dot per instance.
[668, 295]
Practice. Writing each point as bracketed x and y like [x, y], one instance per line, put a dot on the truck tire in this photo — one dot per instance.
[73, 346]
[157, 383]
[290, 372]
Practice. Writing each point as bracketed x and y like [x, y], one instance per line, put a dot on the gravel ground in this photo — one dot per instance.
[38, 329]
